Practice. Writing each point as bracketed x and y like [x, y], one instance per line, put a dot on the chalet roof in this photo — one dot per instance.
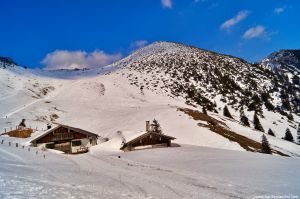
[145, 135]
[65, 126]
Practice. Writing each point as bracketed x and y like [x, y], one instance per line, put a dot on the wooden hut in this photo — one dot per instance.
[21, 131]
[67, 139]
[149, 139]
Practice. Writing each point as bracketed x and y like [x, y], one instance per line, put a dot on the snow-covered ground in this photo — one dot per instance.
[182, 172]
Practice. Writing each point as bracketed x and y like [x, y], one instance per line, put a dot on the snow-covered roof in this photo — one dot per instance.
[65, 126]
[145, 134]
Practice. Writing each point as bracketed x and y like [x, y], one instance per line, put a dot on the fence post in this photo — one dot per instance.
[17, 145]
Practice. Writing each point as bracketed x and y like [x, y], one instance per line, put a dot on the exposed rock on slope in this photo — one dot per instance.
[283, 58]
[201, 77]
[285, 64]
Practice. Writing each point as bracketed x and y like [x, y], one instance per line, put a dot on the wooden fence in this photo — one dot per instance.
[37, 151]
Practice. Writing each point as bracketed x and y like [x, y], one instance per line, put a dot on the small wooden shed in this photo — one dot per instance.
[67, 139]
[149, 139]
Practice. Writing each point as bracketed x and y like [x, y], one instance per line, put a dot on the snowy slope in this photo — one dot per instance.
[21, 89]
[283, 57]
[110, 99]
[285, 64]
[104, 104]
[185, 172]
[116, 100]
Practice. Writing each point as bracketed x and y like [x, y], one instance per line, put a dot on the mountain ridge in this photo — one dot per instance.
[283, 57]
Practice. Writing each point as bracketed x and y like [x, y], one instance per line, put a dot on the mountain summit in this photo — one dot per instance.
[283, 58]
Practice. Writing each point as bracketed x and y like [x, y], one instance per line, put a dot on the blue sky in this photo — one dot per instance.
[41, 33]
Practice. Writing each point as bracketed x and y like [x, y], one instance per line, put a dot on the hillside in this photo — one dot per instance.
[154, 82]
[203, 78]
[172, 83]
[283, 58]
[285, 64]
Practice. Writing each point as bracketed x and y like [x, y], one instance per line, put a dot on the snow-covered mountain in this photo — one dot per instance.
[283, 58]
[164, 81]
[172, 83]
[285, 65]
[201, 76]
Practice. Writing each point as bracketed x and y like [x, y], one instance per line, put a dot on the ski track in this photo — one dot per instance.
[24, 106]
[13, 155]
[20, 108]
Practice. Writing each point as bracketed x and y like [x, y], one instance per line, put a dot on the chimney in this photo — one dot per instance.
[48, 126]
[147, 126]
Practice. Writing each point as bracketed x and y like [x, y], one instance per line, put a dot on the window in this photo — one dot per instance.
[49, 145]
[76, 143]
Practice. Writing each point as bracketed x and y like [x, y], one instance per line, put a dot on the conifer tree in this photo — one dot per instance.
[290, 117]
[265, 146]
[244, 119]
[298, 134]
[226, 112]
[215, 104]
[257, 124]
[270, 132]
[156, 126]
[204, 110]
[288, 135]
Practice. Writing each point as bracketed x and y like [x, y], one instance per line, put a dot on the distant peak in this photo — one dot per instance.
[283, 57]
[7, 62]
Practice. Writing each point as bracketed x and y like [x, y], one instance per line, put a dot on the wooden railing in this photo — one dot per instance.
[62, 136]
